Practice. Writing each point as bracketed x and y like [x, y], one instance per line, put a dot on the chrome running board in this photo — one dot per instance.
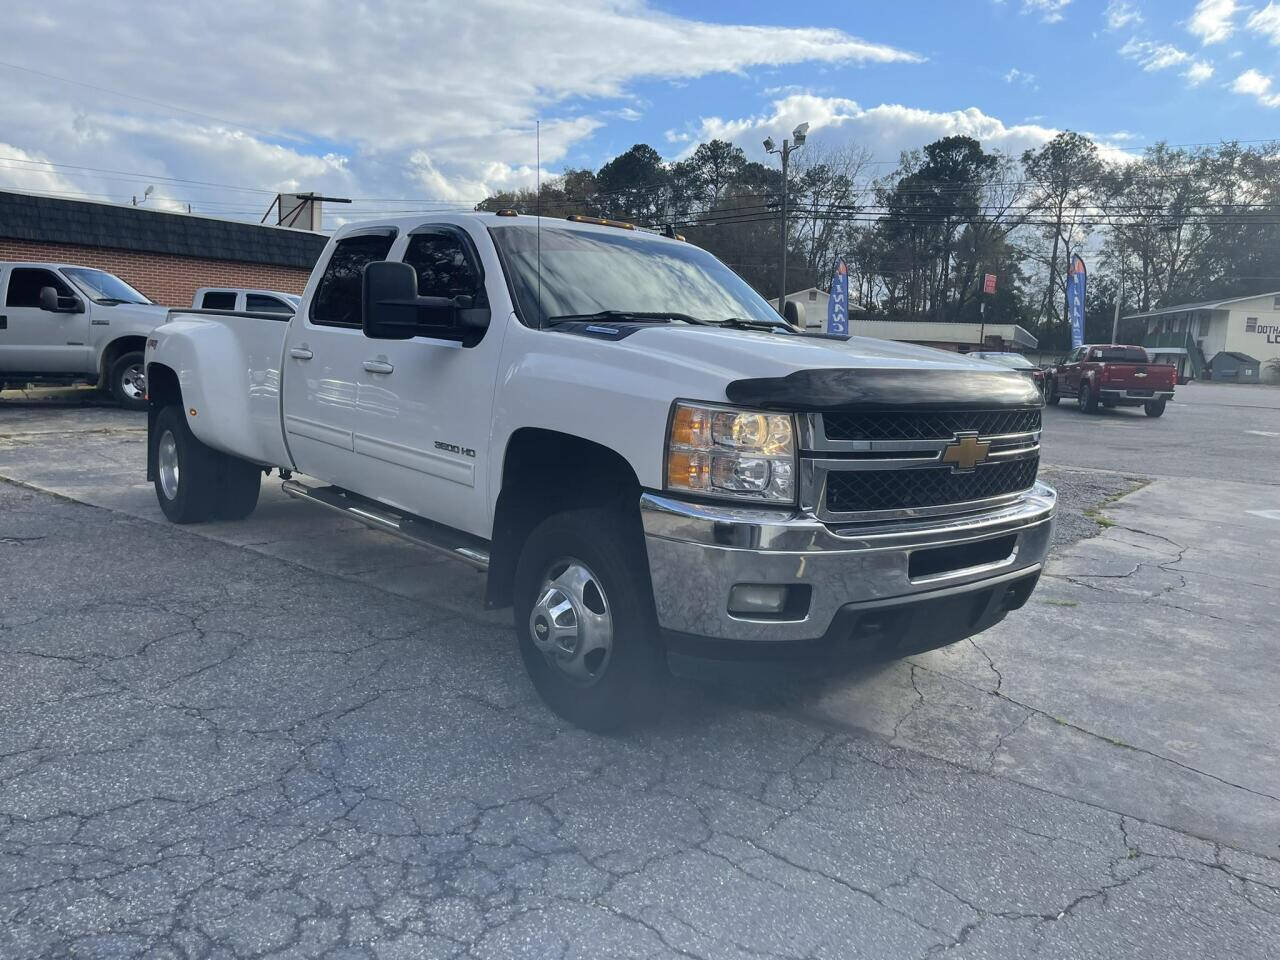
[377, 516]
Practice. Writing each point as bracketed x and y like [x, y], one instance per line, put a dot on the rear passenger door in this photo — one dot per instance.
[322, 360]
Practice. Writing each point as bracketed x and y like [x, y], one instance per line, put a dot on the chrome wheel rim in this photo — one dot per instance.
[167, 464]
[571, 623]
[133, 384]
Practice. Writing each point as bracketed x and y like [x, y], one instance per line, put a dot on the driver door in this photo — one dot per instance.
[37, 340]
[1071, 371]
[423, 408]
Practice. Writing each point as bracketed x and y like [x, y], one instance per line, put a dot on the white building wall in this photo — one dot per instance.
[1261, 343]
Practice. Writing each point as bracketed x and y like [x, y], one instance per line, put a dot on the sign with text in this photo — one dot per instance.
[1077, 278]
[838, 303]
[989, 284]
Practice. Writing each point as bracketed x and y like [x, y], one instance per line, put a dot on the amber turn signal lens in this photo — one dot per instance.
[688, 470]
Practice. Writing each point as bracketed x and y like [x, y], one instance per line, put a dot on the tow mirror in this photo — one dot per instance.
[49, 300]
[392, 310]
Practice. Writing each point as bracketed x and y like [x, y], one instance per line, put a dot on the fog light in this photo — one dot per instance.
[756, 599]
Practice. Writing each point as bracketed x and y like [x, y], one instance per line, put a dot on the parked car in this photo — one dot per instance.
[643, 457]
[62, 323]
[1113, 375]
[1015, 361]
[244, 300]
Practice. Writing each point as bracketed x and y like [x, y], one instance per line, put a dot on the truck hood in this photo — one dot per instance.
[749, 353]
[150, 315]
[780, 371]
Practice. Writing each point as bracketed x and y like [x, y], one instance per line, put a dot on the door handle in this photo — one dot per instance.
[300, 353]
[378, 366]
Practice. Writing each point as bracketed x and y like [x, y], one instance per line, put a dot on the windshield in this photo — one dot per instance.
[586, 272]
[102, 287]
[1016, 360]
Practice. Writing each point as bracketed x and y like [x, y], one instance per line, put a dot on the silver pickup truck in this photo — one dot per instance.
[61, 323]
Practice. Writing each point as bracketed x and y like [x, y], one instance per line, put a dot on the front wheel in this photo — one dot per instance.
[1051, 395]
[1086, 399]
[127, 381]
[585, 619]
[1154, 408]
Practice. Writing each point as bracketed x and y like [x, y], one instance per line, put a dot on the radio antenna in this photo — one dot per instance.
[537, 208]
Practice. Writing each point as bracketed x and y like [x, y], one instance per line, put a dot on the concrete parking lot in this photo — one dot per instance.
[295, 737]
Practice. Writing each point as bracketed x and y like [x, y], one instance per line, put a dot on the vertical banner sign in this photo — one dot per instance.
[1076, 280]
[838, 303]
[989, 284]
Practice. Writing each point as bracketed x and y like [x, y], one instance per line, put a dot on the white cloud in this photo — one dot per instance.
[1267, 22]
[1050, 11]
[1198, 73]
[1121, 14]
[385, 98]
[1214, 20]
[886, 130]
[1154, 56]
[1021, 76]
[1251, 83]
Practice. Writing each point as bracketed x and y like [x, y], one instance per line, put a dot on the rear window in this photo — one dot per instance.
[219, 300]
[258, 303]
[1119, 355]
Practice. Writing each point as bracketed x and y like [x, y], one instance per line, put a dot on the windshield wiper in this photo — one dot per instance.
[742, 323]
[640, 316]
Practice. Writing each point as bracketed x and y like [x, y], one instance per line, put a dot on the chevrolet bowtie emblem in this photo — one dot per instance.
[966, 452]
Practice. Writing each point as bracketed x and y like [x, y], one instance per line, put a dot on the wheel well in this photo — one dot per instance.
[544, 471]
[118, 348]
[163, 390]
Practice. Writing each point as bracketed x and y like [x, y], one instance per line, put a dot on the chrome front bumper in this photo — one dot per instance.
[698, 552]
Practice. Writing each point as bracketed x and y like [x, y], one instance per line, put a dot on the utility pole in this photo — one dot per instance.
[1115, 320]
[798, 137]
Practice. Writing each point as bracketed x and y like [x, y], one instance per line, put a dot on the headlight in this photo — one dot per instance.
[741, 454]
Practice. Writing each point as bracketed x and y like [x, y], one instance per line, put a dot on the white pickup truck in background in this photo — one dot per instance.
[643, 457]
[244, 299]
[61, 323]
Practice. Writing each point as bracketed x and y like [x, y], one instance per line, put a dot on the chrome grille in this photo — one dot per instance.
[909, 425]
[853, 491]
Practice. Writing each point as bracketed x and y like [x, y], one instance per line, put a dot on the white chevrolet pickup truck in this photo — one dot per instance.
[646, 461]
[61, 323]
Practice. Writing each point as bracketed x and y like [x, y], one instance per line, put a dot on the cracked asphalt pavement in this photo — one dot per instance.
[292, 737]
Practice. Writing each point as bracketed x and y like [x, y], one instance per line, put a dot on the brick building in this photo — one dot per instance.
[166, 256]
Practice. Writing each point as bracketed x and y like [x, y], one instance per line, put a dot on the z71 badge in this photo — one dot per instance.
[454, 448]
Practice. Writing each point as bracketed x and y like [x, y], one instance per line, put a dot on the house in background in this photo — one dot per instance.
[1187, 335]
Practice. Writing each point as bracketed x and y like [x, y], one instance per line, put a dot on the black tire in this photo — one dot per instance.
[188, 494]
[238, 493]
[1086, 399]
[1154, 408]
[627, 686]
[1051, 395]
[126, 381]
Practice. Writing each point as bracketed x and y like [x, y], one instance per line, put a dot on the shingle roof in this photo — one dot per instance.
[1242, 357]
[25, 216]
[1202, 305]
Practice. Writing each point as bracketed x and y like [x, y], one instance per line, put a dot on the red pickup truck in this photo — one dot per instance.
[1113, 375]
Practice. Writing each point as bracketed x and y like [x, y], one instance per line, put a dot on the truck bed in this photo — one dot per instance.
[246, 350]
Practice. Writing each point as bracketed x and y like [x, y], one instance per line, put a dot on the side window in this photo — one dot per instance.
[219, 300]
[337, 299]
[1250, 323]
[444, 267]
[259, 303]
[25, 284]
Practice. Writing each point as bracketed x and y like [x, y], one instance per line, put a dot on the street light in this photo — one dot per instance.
[798, 136]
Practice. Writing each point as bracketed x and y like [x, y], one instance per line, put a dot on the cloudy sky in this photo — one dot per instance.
[421, 104]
